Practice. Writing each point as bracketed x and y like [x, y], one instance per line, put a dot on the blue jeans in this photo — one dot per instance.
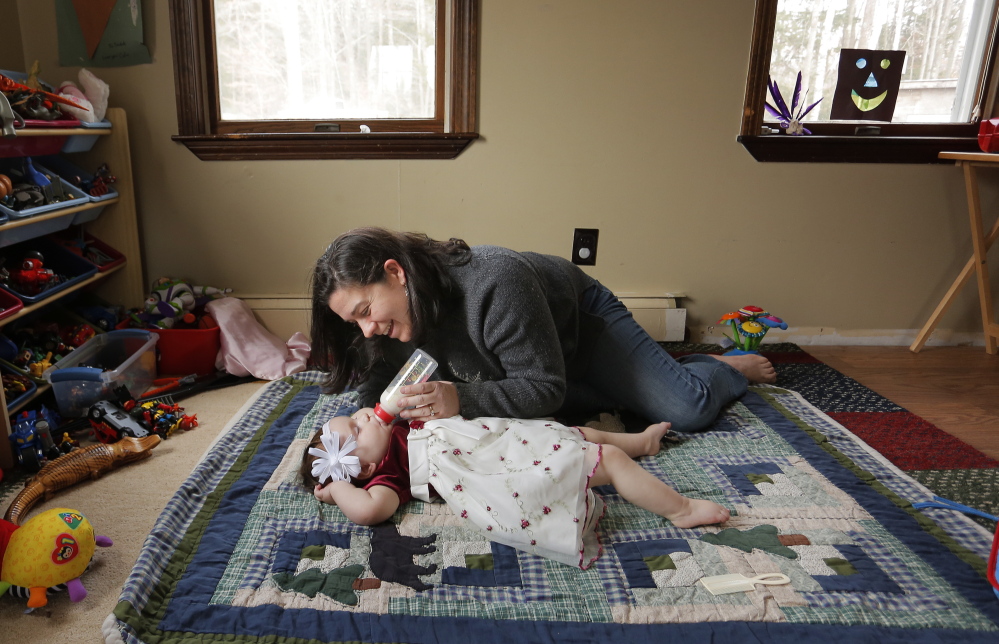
[629, 370]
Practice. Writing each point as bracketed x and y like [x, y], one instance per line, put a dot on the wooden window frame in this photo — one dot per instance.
[839, 142]
[199, 126]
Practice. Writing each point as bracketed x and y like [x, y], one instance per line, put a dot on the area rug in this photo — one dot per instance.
[942, 462]
[243, 554]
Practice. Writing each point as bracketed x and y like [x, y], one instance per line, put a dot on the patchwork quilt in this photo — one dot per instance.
[243, 553]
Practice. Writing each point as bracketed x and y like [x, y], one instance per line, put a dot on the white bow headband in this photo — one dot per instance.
[334, 464]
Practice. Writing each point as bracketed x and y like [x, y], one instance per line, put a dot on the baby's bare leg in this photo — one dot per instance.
[643, 489]
[634, 445]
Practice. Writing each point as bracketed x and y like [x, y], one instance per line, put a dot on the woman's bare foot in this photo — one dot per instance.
[756, 368]
[697, 512]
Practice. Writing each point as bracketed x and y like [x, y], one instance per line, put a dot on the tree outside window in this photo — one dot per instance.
[259, 79]
[945, 85]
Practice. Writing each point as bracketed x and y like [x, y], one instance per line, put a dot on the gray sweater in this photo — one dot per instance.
[513, 339]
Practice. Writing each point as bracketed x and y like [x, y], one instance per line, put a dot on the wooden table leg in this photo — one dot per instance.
[948, 298]
[981, 260]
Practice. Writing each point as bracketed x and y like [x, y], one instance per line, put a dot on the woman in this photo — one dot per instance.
[521, 335]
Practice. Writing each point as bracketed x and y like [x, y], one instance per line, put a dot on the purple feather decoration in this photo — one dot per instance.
[797, 94]
[779, 100]
[787, 117]
[808, 109]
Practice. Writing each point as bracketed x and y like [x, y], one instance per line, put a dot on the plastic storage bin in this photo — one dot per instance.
[29, 146]
[51, 318]
[73, 267]
[77, 196]
[70, 173]
[186, 351]
[83, 142]
[90, 248]
[89, 374]
[9, 304]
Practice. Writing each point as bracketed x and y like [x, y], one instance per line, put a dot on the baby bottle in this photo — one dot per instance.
[418, 368]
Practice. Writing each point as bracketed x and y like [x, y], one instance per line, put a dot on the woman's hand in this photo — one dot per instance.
[433, 399]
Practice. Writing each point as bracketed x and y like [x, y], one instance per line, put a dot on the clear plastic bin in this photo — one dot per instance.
[126, 357]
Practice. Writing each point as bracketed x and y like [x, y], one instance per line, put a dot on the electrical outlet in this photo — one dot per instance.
[584, 246]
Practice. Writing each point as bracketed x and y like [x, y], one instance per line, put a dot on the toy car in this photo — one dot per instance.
[111, 423]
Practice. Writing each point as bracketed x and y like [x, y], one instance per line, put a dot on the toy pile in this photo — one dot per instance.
[175, 304]
[14, 385]
[127, 417]
[23, 186]
[44, 342]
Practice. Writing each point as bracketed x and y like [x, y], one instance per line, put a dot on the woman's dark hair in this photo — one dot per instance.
[357, 258]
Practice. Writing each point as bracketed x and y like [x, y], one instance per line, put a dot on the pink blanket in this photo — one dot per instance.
[248, 348]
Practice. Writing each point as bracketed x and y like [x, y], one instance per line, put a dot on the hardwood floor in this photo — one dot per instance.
[955, 388]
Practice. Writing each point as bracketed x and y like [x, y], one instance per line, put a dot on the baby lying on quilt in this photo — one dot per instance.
[523, 483]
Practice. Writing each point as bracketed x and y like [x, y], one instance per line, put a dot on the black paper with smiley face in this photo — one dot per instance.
[867, 87]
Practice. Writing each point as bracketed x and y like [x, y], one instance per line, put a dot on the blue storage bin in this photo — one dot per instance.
[8, 350]
[83, 142]
[78, 196]
[70, 172]
[32, 229]
[75, 268]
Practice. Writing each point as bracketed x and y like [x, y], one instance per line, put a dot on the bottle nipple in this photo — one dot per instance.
[382, 414]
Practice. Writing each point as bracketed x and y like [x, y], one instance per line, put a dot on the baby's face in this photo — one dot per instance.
[372, 435]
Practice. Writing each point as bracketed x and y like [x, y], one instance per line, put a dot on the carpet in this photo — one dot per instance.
[243, 554]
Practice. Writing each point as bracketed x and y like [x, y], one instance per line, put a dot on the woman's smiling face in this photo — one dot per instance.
[381, 308]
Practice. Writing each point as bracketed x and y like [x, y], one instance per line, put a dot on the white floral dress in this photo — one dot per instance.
[522, 483]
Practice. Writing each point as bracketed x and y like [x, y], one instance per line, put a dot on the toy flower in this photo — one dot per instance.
[788, 118]
[752, 329]
[772, 321]
[749, 325]
[334, 464]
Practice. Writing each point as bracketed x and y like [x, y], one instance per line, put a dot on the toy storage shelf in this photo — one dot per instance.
[63, 131]
[55, 214]
[117, 226]
[29, 309]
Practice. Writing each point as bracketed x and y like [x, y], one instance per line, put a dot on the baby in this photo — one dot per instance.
[524, 483]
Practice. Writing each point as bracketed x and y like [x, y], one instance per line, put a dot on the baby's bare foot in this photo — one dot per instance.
[697, 512]
[652, 438]
[756, 368]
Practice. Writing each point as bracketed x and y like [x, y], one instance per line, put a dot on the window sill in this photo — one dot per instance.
[854, 149]
[308, 145]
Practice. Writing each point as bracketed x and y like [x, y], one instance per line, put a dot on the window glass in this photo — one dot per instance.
[326, 59]
[945, 43]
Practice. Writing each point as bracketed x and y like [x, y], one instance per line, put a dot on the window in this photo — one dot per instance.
[325, 79]
[946, 82]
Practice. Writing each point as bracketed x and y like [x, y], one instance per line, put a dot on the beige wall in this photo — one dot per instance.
[620, 116]
[11, 48]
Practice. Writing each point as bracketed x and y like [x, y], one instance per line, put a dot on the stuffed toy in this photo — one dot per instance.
[52, 548]
[174, 300]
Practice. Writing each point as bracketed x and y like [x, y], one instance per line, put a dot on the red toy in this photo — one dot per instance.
[10, 85]
[988, 137]
[33, 278]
